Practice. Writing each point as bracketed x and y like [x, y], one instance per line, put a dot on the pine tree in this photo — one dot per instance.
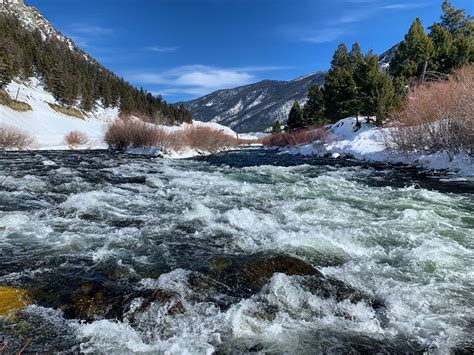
[414, 53]
[456, 20]
[276, 127]
[453, 39]
[340, 89]
[5, 72]
[313, 111]
[295, 118]
[358, 67]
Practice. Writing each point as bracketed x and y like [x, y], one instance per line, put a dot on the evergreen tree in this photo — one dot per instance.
[340, 88]
[456, 20]
[276, 127]
[359, 69]
[295, 118]
[453, 39]
[5, 72]
[313, 111]
[414, 53]
[71, 76]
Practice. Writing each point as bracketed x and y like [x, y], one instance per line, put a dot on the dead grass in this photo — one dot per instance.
[437, 116]
[304, 136]
[75, 139]
[20, 106]
[13, 138]
[69, 111]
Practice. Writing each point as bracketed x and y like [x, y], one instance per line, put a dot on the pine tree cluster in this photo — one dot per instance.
[74, 78]
[356, 85]
[449, 45]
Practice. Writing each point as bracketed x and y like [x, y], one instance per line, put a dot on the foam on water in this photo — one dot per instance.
[410, 247]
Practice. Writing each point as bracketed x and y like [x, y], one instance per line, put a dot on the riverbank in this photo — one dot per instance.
[369, 143]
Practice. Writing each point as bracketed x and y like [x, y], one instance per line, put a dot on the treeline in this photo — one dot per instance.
[357, 85]
[74, 78]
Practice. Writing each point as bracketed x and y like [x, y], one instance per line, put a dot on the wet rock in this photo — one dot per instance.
[162, 297]
[86, 299]
[238, 278]
[12, 299]
[249, 276]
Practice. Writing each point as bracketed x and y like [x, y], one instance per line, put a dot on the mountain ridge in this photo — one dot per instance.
[253, 107]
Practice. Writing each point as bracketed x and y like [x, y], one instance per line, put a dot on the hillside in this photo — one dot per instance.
[253, 107]
[30, 47]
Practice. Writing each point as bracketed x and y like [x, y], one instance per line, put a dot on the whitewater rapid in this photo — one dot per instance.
[411, 247]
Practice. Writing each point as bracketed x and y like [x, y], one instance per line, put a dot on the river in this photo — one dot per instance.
[242, 252]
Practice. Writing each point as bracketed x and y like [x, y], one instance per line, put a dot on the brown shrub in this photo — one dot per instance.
[304, 136]
[11, 138]
[437, 116]
[125, 133]
[209, 139]
[75, 138]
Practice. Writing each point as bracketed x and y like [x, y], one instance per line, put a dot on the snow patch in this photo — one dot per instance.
[368, 143]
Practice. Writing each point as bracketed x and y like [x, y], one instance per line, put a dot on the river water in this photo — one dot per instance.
[123, 254]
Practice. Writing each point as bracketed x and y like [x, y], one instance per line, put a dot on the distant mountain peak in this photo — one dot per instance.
[253, 107]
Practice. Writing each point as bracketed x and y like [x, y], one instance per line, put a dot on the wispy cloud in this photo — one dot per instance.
[199, 79]
[161, 49]
[92, 30]
[317, 36]
[84, 34]
[404, 6]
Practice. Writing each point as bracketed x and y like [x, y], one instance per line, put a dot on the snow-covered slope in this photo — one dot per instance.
[254, 107]
[369, 143]
[47, 126]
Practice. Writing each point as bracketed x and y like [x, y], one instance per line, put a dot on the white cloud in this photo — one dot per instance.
[161, 49]
[321, 36]
[405, 6]
[199, 80]
[90, 30]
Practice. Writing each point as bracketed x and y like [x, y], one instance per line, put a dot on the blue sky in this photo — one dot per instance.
[182, 49]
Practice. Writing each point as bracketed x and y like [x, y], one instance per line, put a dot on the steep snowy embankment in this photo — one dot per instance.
[47, 126]
[369, 143]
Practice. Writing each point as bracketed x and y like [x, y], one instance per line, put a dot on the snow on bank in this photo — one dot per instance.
[368, 143]
[48, 127]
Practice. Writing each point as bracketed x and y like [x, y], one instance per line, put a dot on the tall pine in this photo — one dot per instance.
[414, 53]
[313, 111]
[5, 72]
[295, 118]
[453, 39]
[340, 89]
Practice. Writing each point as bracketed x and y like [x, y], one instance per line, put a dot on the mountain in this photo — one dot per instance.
[31, 48]
[253, 107]
[386, 57]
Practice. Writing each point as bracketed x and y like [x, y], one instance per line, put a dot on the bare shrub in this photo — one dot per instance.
[124, 133]
[209, 139]
[13, 138]
[294, 138]
[75, 139]
[437, 116]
